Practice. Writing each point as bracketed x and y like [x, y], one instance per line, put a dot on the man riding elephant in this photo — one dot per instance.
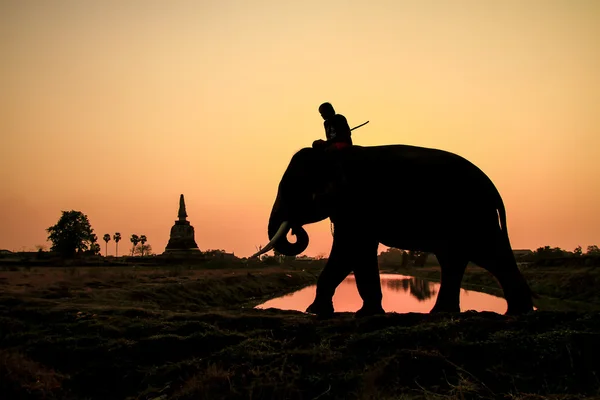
[339, 136]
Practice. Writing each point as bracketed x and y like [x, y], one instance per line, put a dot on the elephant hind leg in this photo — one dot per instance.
[453, 268]
[368, 282]
[517, 293]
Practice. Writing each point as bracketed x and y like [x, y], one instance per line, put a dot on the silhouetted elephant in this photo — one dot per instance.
[461, 219]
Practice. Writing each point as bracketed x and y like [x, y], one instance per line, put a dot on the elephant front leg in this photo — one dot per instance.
[453, 269]
[331, 277]
[351, 251]
[334, 273]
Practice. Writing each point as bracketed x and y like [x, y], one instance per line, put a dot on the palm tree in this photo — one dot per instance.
[135, 239]
[106, 239]
[143, 241]
[116, 238]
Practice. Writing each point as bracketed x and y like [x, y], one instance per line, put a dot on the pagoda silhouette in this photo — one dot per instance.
[181, 240]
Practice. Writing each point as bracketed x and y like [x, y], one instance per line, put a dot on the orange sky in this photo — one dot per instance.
[114, 108]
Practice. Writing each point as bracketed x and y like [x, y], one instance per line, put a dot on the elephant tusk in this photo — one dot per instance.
[282, 231]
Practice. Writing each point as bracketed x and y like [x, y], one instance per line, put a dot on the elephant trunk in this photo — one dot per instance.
[280, 224]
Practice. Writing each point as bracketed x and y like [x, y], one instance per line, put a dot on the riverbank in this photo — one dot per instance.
[181, 333]
[560, 288]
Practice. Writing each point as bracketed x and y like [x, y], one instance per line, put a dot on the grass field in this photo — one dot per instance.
[192, 333]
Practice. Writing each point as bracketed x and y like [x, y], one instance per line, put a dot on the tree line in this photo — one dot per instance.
[547, 252]
[417, 258]
[73, 235]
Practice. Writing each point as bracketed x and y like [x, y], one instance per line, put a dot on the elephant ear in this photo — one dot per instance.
[306, 164]
[322, 171]
[337, 169]
[332, 183]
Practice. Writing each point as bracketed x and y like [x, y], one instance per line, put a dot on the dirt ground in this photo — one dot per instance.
[190, 333]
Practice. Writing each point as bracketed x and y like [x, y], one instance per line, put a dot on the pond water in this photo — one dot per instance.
[401, 294]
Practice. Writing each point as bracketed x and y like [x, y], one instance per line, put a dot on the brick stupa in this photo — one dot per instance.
[182, 239]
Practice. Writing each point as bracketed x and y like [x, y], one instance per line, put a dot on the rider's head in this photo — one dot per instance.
[326, 110]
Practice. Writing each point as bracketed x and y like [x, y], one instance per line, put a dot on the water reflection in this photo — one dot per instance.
[419, 288]
[401, 294]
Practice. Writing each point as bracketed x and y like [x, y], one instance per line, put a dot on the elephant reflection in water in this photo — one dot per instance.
[359, 189]
[418, 288]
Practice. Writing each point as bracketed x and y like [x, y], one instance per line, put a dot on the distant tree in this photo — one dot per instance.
[71, 234]
[549, 252]
[143, 241]
[577, 252]
[420, 257]
[40, 247]
[392, 253]
[397, 257]
[41, 251]
[95, 246]
[593, 250]
[106, 238]
[135, 239]
[218, 253]
[117, 238]
[143, 249]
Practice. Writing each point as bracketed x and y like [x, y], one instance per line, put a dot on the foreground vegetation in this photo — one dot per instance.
[192, 333]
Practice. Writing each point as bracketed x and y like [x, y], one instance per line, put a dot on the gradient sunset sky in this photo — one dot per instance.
[114, 108]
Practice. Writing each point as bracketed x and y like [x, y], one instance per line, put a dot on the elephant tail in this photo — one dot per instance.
[501, 215]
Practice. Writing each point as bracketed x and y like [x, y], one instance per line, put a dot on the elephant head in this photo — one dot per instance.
[302, 198]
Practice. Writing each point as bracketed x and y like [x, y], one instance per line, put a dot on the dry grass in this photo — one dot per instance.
[19, 373]
[164, 333]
